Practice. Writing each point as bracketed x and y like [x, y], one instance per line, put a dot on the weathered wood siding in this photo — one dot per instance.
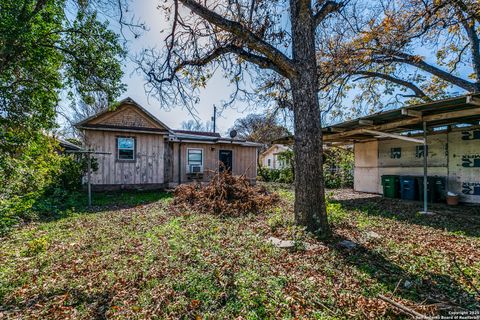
[244, 160]
[454, 155]
[148, 167]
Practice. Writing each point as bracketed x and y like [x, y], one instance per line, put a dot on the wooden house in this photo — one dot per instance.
[144, 153]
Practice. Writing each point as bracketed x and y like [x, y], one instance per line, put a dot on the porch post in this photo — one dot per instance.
[89, 186]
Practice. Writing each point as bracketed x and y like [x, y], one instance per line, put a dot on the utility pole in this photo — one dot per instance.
[214, 118]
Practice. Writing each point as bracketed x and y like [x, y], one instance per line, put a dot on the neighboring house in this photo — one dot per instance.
[146, 153]
[270, 157]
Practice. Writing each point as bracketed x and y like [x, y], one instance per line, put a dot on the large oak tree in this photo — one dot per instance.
[252, 37]
[413, 50]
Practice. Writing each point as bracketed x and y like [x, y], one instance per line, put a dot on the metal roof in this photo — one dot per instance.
[453, 111]
[67, 145]
[198, 133]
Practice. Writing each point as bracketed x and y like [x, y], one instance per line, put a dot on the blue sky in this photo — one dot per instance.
[217, 89]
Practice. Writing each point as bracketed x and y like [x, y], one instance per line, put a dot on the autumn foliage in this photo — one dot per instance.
[224, 195]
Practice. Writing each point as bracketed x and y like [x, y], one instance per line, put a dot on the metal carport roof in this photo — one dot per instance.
[454, 111]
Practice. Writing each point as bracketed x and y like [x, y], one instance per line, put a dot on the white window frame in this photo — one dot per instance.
[133, 148]
[188, 151]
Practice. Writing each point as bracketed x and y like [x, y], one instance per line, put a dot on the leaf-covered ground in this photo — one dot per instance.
[142, 259]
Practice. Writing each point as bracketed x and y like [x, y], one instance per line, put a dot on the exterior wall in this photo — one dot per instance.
[464, 164]
[146, 169]
[408, 163]
[366, 167]
[244, 160]
[454, 155]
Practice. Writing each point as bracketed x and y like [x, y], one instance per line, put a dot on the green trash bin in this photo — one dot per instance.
[390, 185]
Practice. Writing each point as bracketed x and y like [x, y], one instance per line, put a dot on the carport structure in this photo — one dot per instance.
[446, 123]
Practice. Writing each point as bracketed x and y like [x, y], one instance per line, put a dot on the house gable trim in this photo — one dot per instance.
[124, 103]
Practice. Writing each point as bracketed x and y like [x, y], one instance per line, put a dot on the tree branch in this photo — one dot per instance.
[418, 92]
[327, 8]
[254, 42]
[419, 63]
[470, 10]
[260, 61]
[469, 26]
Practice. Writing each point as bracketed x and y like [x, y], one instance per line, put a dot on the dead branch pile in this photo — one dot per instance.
[224, 195]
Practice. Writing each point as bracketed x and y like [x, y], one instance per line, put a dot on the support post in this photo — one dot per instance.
[180, 163]
[89, 172]
[425, 170]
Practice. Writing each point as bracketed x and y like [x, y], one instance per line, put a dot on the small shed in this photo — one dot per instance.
[440, 138]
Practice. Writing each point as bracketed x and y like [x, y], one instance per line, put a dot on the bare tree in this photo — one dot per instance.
[260, 128]
[251, 37]
[194, 125]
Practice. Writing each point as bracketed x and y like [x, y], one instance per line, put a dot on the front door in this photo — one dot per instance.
[225, 158]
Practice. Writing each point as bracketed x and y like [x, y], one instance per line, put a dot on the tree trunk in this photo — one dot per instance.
[310, 208]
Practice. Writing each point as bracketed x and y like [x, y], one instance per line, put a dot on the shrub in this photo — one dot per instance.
[276, 175]
[224, 195]
[37, 181]
[338, 168]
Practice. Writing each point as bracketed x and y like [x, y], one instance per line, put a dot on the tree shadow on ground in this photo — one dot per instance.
[428, 288]
[58, 301]
[462, 219]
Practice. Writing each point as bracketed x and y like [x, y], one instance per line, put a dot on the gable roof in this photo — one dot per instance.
[127, 101]
[276, 145]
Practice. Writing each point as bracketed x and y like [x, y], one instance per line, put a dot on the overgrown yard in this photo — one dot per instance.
[140, 258]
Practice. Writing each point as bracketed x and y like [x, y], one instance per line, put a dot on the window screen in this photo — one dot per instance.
[126, 148]
[195, 157]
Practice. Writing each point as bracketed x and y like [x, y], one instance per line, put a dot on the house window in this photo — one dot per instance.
[395, 153]
[419, 153]
[269, 163]
[125, 148]
[195, 157]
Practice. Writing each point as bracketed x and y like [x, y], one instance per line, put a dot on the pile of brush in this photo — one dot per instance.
[224, 195]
